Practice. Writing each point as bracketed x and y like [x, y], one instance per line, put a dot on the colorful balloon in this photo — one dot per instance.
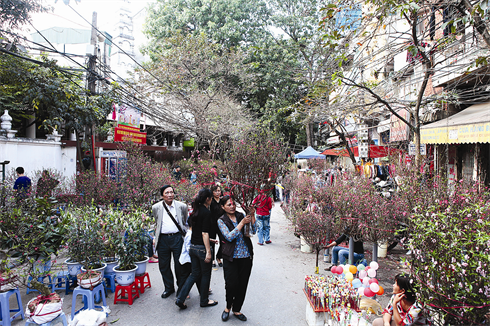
[361, 267]
[365, 281]
[373, 280]
[381, 290]
[356, 283]
[361, 291]
[371, 273]
[374, 287]
[349, 277]
[368, 293]
[374, 265]
[334, 269]
[362, 274]
[346, 269]
[352, 269]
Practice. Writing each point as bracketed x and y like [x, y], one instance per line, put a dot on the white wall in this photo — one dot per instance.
[36, 154]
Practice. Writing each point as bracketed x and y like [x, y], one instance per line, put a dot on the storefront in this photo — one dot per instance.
[462, 143]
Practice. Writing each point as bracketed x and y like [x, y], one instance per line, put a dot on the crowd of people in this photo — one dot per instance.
[191, 240]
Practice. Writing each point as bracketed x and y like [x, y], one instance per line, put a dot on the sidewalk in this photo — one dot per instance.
[274, 297]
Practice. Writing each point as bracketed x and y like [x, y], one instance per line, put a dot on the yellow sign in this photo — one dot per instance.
[471, 133]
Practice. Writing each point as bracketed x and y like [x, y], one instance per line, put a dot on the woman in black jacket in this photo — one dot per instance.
[199, 251]
[237, 254]
[216, 213]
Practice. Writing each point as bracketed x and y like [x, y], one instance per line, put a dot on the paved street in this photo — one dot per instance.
[274, 296]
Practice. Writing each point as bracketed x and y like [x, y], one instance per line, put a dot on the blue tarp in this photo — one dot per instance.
[309, 152]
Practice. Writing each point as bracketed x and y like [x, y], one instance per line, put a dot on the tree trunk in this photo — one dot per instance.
[309, 135]
[79, 151]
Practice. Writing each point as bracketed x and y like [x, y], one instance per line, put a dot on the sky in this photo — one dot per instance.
[64, 16]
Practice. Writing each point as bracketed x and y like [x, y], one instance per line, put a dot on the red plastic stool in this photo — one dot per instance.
[131, 291]
[141, 283]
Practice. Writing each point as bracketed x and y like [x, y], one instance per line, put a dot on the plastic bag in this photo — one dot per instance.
[44, 312]
[371, 305]
[91, 317]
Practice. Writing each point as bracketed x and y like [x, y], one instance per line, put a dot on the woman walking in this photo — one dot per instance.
[237, 256]
[200, 251]
[216, 212]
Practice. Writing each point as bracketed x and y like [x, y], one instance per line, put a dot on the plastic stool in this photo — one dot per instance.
[67, 279]
[5, 307]
[131, 291]
[141, 283]
[40, 279]
[110, 281]
[60, 318]
[89, 297]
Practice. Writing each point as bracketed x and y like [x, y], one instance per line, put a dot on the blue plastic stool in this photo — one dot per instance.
[89, 297]
[61, 318]
[5, 307]
[63, 281]
[110, 281]
[40, 279]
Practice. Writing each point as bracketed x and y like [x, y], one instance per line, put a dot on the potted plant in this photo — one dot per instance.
[112, 228]
[32, 232]
[126, 269]
[132, 246]
[140, 224]
[85, 244]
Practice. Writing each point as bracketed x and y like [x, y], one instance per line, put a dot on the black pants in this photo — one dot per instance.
[236, 275]
[216, 254]
[201, 275]
[167, 247]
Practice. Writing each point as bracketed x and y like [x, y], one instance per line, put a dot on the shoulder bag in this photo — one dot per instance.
[173, 219]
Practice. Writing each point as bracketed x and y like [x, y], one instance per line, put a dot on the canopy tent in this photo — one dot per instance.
[375, 151]
[309, 152]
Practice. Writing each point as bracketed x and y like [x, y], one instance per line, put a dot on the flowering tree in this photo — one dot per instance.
[143, 178]
[253, 161]
[451, 255]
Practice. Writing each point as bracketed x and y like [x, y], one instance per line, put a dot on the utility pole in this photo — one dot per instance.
[92, 77]
[93, 58]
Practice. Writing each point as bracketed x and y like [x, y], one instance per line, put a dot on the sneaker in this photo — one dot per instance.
[260, 244]
[329, 268]
[268, 242]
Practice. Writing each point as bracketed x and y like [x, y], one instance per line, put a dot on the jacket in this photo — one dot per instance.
[228, 248]
[181, 217]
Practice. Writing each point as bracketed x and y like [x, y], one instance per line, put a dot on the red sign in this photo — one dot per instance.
[129, 134]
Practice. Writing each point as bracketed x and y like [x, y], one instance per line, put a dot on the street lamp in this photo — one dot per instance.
[3, 169]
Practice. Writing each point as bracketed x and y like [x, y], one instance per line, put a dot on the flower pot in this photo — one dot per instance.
[111, 262]
[41, 267]
[100, 269]
[125, 278]
[141, 265]
[305, 247]
[90, 282]
[74, 267]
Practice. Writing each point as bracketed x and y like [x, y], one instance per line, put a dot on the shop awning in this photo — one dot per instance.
[375, 151]
[472, 125]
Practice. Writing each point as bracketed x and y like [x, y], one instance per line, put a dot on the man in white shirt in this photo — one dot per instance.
[168, 238]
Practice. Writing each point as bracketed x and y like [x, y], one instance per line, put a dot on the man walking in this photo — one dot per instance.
[263, 205]
[171, 225]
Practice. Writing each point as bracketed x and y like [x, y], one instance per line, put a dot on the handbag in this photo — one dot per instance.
[173, 219]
